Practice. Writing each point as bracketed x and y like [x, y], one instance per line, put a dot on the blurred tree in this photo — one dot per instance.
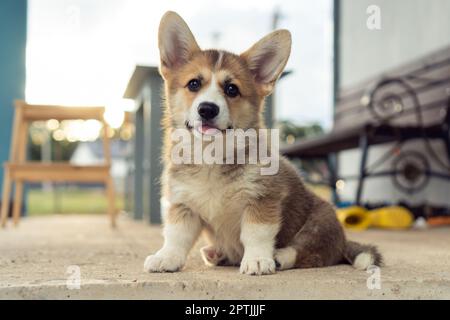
[290, 132]
[61, 150]
[38, 136]
[313, 170]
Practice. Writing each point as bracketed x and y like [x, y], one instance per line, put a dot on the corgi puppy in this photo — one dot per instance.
[261, 223]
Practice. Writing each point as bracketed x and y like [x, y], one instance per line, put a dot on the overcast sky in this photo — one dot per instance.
[83, 51]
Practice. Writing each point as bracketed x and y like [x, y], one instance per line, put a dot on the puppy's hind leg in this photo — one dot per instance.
[212, 256]
[321, 240]
[285, 258]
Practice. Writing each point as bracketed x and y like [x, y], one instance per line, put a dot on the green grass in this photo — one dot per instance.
[90, 201]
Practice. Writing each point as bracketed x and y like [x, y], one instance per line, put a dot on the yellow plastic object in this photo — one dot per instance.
[393, 217]
[354, 218]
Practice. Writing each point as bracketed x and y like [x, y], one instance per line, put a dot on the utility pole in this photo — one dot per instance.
[269, 112]
[216, 35]
[276, 16]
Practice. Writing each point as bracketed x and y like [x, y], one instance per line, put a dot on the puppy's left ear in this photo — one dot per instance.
[267, 58]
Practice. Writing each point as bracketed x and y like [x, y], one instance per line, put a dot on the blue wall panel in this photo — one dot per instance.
[13, 31]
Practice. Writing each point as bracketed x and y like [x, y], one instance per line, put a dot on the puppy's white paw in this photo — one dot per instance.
[163, 262]
[257, 266]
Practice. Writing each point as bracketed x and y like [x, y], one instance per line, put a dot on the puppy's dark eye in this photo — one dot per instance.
[231, 90]
[194, 85]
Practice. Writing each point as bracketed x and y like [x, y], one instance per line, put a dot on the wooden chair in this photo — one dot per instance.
[19, 171]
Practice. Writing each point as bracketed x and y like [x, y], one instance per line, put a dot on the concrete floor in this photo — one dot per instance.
[35, 256]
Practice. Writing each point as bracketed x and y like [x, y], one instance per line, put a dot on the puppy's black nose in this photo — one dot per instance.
[208, 110]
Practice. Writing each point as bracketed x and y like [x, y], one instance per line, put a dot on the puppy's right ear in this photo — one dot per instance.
[176, 42]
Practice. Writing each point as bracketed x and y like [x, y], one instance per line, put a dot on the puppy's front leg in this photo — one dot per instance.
[181, 229]
[259, 227]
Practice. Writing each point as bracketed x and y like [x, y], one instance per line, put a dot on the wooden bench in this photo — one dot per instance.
[408, 102]
[19, 171]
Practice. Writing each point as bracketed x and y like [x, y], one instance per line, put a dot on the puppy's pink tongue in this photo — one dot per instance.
[204, 128]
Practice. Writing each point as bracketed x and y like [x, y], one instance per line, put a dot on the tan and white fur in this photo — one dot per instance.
[261, 223]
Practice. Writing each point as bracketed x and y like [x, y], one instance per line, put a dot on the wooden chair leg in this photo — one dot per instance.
[111, 198]
[17, 206]
[5, 198]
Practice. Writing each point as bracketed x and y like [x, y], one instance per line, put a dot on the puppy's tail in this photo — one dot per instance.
[361, 256]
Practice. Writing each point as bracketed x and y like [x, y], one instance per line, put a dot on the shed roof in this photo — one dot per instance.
[140, 74]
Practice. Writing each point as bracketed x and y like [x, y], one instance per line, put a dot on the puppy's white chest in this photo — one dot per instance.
[207, 194]
[220, 201]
